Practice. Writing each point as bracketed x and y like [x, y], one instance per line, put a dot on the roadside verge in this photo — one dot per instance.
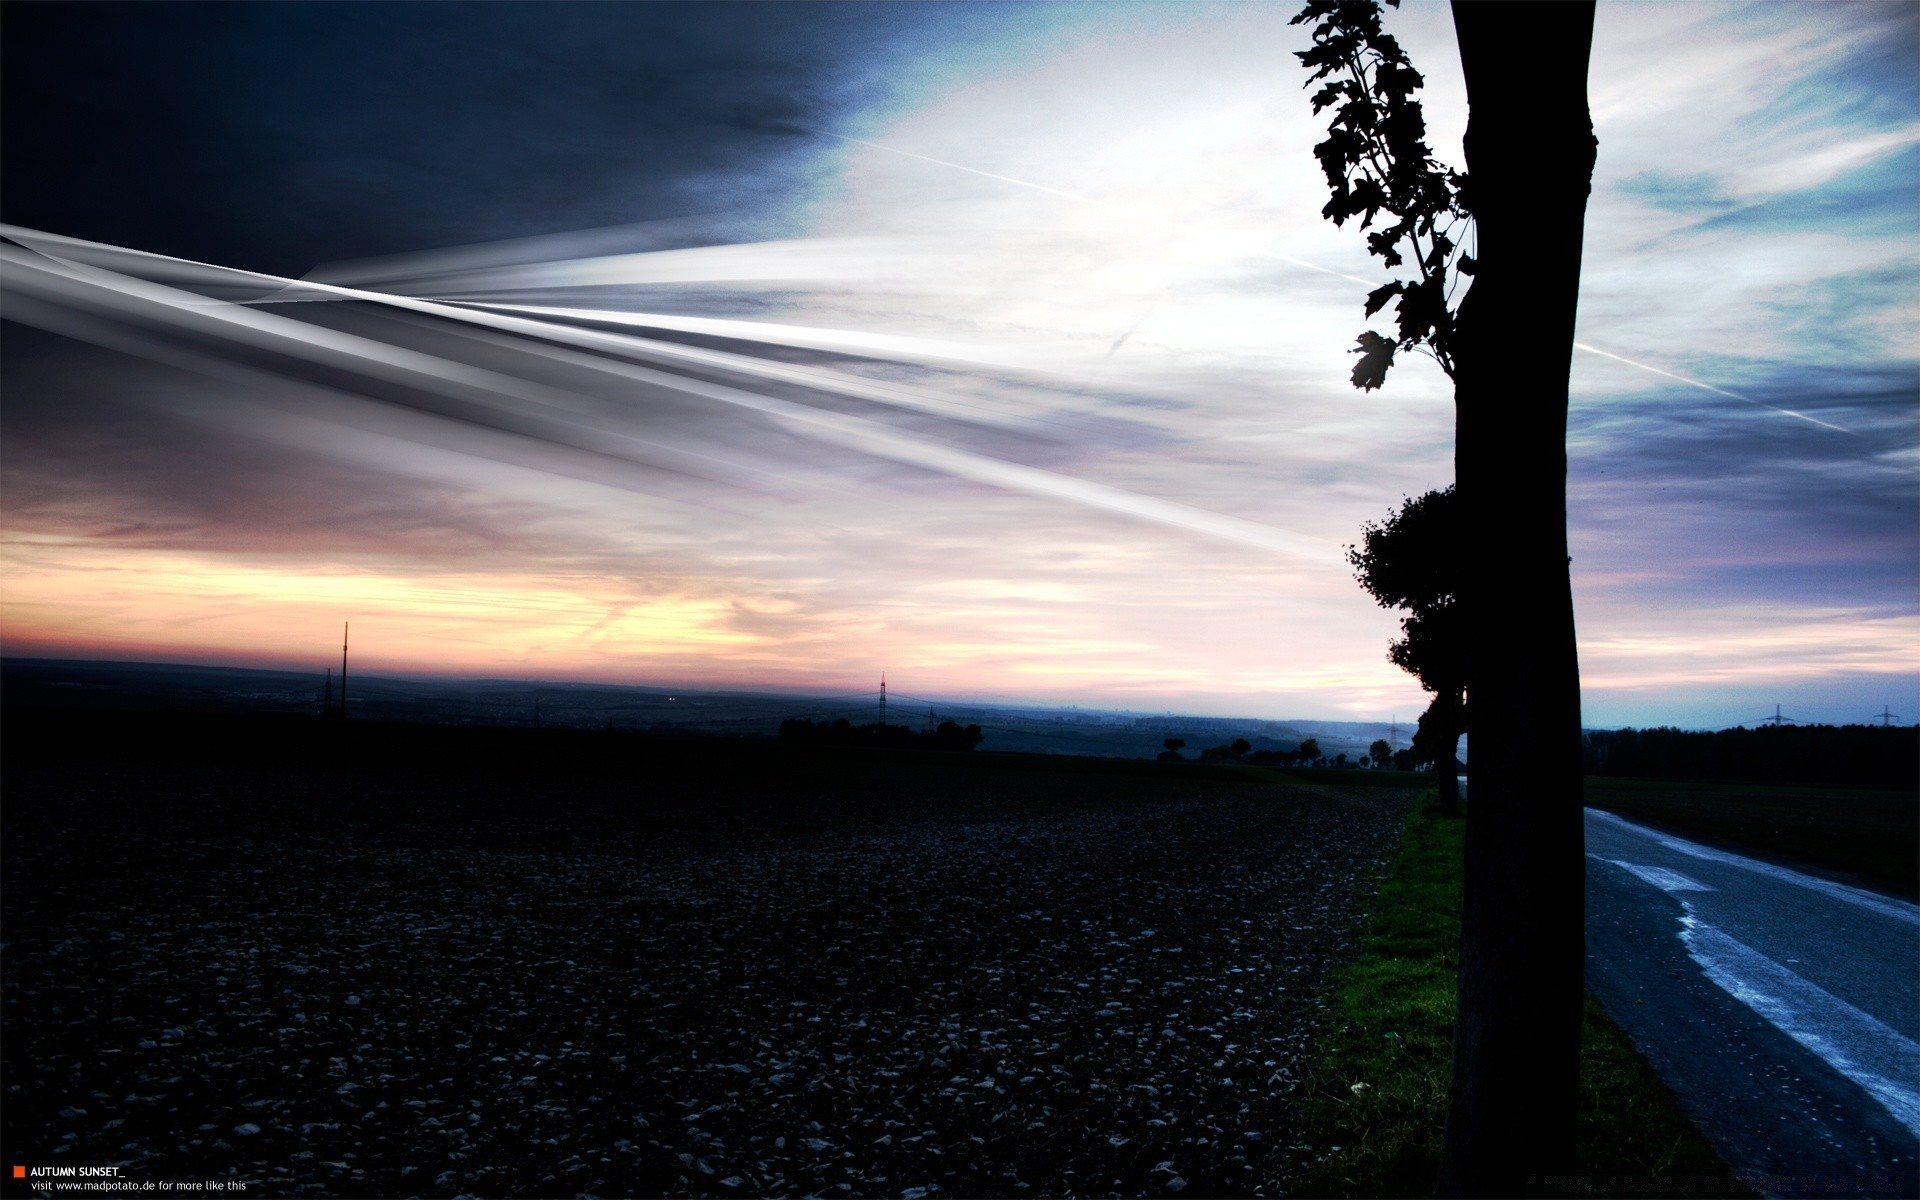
[1373, 1108]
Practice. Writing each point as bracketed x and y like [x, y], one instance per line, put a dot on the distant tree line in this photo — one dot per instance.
[1877, 755]
[1306, 754]
[948, 735]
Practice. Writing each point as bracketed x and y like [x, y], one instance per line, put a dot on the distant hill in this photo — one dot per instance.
[185, 687]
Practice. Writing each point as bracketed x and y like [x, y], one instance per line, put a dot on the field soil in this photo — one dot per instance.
[349, 962]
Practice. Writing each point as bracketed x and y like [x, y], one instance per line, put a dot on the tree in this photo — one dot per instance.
[1508, 348]
[1172, 751]
[1309, 750]
[951, 735]
[1410, 561]
[1381, 752]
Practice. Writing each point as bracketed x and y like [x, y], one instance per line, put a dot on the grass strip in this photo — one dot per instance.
[1373, 1106]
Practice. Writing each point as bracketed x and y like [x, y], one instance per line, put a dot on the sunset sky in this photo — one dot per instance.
[1000, 347]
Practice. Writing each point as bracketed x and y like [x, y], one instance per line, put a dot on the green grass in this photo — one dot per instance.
[1373, 1106]
[1868, 832]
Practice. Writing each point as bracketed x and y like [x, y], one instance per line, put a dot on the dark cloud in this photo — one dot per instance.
[276, 136]
[1751, 502]
[106, 449]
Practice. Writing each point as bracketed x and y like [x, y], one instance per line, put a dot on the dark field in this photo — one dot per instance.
[346, 961]
[1871, 834]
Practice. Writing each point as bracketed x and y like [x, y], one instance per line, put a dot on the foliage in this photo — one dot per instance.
[950, 735]
[1233, 752]
[1376, 160]
[1876, 755]
[1408, 562]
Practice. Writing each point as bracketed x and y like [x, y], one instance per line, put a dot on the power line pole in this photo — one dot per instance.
[883, 699]
[343, 669]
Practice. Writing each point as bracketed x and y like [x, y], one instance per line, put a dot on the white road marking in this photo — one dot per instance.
[1660, 877]
[1884, 1062]
[1885, 906]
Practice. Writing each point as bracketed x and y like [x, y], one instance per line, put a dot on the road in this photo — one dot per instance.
[1783, 1008]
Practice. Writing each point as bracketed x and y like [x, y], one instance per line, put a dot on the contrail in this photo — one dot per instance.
[1312, 266]
[535, 408]
[1025, 183]
[1800, 416]
[1140, 213]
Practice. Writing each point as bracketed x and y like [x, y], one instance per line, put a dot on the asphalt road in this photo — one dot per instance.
[1783, 1008]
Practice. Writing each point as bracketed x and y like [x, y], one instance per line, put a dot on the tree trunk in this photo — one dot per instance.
[1530, 155]
[1447, 771]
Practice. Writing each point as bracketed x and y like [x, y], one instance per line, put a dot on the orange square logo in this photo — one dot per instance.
[19, 1172]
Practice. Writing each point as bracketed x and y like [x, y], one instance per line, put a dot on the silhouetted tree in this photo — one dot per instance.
[1172, 751]
[1232, 752]
[951, 735]
[1380, 752]
[1409, 561]
[1508, 348]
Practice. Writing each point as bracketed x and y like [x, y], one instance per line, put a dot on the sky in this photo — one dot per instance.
[998, 347]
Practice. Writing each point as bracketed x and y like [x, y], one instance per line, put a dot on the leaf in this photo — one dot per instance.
[1376, 355]
[1378, 297]
[1376, 159]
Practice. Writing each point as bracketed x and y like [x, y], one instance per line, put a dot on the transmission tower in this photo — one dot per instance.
[343, 669]
[1776, 718]
[883, 699]
[1886, 718]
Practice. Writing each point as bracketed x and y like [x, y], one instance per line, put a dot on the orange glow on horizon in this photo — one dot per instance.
[174, 605]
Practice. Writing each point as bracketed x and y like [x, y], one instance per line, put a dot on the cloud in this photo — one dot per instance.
[1680, 193]
[1875, 198]
[1036, 388]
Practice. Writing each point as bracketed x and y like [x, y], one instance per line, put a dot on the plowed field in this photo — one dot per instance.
[695, 971]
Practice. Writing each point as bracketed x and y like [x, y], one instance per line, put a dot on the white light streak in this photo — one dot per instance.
[1707, 387]
[540, 408]
[1301, 262]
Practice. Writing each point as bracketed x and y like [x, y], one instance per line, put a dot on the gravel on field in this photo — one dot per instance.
[1025, 983]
